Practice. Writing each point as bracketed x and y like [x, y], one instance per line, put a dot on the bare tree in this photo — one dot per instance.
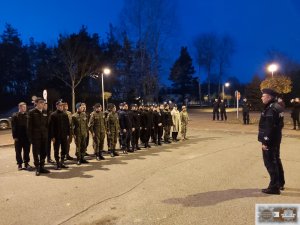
[77, 58]
[206, 47]
[149, 24]
[225, 50]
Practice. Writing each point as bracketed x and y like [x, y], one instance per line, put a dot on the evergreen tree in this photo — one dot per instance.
[182, 74]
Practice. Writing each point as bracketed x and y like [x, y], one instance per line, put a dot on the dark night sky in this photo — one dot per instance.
[256, 25]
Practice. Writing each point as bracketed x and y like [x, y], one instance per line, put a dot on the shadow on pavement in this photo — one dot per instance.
[215, 197]
[80, 171]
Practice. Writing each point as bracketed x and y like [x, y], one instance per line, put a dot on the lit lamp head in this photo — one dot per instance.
[227, 84]
[272, 68]
[106, 71]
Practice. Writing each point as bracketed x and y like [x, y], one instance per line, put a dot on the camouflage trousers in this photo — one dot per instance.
[183, 130]
[98, 142]
[112, 140]
[80, 142]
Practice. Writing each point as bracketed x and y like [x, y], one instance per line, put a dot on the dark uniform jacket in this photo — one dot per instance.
[37, 126]
[295, 110]
[167, 118]
[223, 106]
[216, 106]
[146, 119]
[19, 125]
[271, 124]
[157, 118]
[136, 119]
[59, 125]
[246, 106]
[126, 119]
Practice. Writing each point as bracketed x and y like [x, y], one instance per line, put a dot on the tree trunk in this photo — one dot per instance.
[73, 96]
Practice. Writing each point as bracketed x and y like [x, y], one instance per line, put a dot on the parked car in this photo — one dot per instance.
[5, 118]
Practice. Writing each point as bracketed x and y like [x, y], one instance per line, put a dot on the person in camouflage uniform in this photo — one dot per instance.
[80, 130]
[184, 118]
[97, 129]
[113, 129]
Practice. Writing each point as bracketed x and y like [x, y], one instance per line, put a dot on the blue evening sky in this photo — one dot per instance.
[255, 25]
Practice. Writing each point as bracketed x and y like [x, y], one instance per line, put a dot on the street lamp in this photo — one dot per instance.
[227, 84]
[106, 71]
[272, 68]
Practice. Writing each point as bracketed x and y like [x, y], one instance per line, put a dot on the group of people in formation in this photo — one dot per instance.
[132, 126]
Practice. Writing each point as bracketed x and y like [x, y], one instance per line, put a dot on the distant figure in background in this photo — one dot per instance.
[19, 133]
[216, 109]
[246, 109]
[295, 112]
[184, 119]
[223, 107]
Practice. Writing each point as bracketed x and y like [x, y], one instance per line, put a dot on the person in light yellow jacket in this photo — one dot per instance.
[176, 123]
[184, 118]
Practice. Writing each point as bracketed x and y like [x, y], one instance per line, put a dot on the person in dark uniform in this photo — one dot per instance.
[122, 135]
[167, 123]
[146, 124]
[223, 107]
[216, 109]
[126, 127]
[38, 134]
[59, 128]
[19, 133]
[270, 127]
[158, 125]
[49, 158]
[295, 113]
[246, 109]
[137, 125]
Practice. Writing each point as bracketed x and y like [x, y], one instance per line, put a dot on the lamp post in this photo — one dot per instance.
[223, 89]
[272, 68]
[105, 71]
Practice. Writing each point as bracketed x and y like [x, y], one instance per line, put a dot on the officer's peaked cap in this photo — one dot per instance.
[269, 91]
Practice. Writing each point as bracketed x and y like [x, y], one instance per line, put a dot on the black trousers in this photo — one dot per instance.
[39, 150]
[63, 143]
[246, 117]
[24, 145]
[136, 136]
[274, 166]
[145, 135]
[128, 138]
[296, 122]
[223, 115]
[216, 112]
[158, 132]
[48, 148]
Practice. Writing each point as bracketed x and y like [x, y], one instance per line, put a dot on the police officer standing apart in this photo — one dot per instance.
[270, 127]
[246, 109]
[216, 109]
[97, 129]
[80, 131]
[19, 133]
[223, 110]
[59, 128]
[38, 134]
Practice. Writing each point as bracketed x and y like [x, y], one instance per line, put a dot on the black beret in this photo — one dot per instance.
[97, 105]
[110, 106]
[269, 91]
[39, 99]
[121, 104]
[59, 102]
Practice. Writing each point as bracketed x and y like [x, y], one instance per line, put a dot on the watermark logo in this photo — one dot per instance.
[277, 214]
